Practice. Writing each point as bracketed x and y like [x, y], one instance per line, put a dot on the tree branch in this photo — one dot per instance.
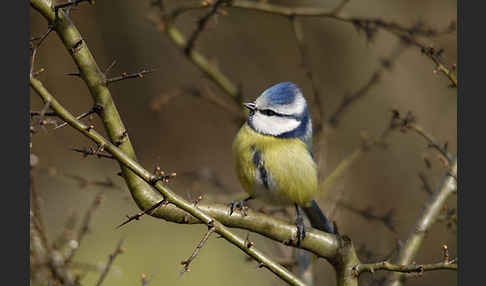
[409, 268]
[425, 221]
[199, 60]
[369, 25]
[170, 196]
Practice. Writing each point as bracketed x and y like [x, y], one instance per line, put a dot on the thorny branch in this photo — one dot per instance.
[169, 195]
[345, 250]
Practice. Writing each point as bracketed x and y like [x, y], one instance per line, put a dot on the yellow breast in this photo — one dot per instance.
[287, 162]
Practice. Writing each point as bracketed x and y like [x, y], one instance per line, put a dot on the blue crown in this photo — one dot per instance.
[282, 93]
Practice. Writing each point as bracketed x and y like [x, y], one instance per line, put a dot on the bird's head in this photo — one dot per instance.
[281, 111]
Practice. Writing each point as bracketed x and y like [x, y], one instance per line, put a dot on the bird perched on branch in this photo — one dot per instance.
[273, 156]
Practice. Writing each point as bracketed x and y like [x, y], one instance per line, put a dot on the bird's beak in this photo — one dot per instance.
[250, 105]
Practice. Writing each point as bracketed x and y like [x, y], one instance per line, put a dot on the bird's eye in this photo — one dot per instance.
[268, 112]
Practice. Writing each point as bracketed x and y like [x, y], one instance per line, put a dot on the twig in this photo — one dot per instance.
[170, 196]
[83, 230]
[81, 116]
[367, 213]
[369, 25]
[187, 262]
[347, 162]
[201, 25]
[83, 182]
[93, 152]
[340, 7]
[43, 37]
[107, 70]
[425, 221]
[140, 214]
[425, 183]
[385, 64]
[70, 4]
[299, 36]
[111, 258]
[125, 76]
[69, 225]
[431, 140]
[434, 55]
[408, 123]
[409, 268]
[199, 60]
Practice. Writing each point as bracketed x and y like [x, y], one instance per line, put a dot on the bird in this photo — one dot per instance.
[273, 159]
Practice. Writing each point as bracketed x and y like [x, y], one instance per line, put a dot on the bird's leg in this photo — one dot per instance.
[238, 204]
[299, 222]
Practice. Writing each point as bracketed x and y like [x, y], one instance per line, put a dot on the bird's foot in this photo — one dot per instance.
[299, 222]
[239, 205]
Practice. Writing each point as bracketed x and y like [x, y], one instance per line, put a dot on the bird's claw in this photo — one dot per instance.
[299, 222]
[238, 205]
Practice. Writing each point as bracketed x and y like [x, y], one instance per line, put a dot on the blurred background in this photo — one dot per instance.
[190, 135]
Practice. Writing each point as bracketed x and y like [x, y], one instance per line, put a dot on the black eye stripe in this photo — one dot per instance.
[273, 113]
[269, 112]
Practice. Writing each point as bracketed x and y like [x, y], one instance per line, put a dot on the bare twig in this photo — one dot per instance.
[435, 55]
[70, 4]
[81, 116]
[85, 225]
[299, 36]
[409, 268]
[369, 25]
[425, 183]
[111, 258]
[187, 262]
[125, 76]
[425, 221]
[93, 152]
[340, 7]
[83, 182]
[367, 213]
[199, 60]
[201, 25]
[408, 123]
[385, 64]
[140, 214]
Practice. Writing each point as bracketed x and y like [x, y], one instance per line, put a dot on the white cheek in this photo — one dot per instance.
[273, 125]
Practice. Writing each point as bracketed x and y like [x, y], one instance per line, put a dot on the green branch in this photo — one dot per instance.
[168, 195]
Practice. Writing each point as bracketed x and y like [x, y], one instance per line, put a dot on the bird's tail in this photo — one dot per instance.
[318, 219]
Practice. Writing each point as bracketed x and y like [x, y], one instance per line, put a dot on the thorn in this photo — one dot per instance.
[77, 46]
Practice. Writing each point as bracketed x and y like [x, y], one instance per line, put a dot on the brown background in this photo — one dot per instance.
[189, 134]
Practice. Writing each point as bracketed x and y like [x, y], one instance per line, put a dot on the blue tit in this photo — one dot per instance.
[273, 157]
